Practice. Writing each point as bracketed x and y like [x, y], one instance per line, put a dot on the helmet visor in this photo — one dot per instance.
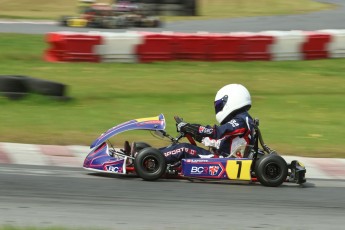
[219, 104]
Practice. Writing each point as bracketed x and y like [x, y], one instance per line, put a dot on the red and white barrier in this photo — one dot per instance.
[72, 47]
[254, 46]
[224, 47]
[191, 46]
[203, 46]
[155, 47]
[118, 47]
[286, 45]
[336, 47]
[316, 45]
[56, 50]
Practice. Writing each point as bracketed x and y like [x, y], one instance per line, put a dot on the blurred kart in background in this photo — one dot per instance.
[96, 16]
[114, 16]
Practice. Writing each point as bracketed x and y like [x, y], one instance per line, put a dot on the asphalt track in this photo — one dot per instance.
[76, 198]
[73, 197]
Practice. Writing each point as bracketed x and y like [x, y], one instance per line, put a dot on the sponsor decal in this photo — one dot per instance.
[203, 129]
[190, 151]
[233, 123]
[196, 160]
[199, 170]
[204, 169]
[213, 170]
[173, 152]
[180, 150]
[114, 169]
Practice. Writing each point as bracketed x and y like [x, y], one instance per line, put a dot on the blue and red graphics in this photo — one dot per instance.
[115, 167]
[99, 160]
[149, 123]
[213, 170]
[205, 130]
[204, 168]
[95, 159]
[217, 168]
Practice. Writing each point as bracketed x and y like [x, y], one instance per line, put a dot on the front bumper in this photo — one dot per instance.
[297, 172]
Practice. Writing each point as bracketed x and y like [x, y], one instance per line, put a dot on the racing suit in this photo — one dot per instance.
[238, 130]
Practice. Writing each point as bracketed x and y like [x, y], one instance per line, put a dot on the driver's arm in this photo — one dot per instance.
[197, 131]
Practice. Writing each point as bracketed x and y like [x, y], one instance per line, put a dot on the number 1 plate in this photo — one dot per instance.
[238, 169]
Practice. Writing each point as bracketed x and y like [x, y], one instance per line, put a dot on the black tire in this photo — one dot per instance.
[141, 145]
[10, 83]
[150, 164]
[13, 87]
[45, 87]
[271, 170]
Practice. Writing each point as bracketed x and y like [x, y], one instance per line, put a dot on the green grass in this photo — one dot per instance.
[300, 103]
[43, 9]
[10, 227]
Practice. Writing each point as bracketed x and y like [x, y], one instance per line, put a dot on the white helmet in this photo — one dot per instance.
[230, 98]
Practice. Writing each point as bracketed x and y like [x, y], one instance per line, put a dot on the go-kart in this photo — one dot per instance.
[262, 164]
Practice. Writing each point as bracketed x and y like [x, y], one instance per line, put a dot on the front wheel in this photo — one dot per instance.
[150, 164]
[271, 170]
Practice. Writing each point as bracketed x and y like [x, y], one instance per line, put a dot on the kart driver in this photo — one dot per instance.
[236, 128]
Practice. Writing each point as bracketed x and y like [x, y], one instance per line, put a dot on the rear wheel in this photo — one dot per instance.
[141, 145]
[271, 170]
[150, 164]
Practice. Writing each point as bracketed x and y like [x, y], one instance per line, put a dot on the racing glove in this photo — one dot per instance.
[192, 129]
[187, 128]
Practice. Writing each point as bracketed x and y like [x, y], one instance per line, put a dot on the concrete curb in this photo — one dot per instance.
[74, 155]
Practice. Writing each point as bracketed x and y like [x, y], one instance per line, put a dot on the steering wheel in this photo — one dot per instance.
[187, 135]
